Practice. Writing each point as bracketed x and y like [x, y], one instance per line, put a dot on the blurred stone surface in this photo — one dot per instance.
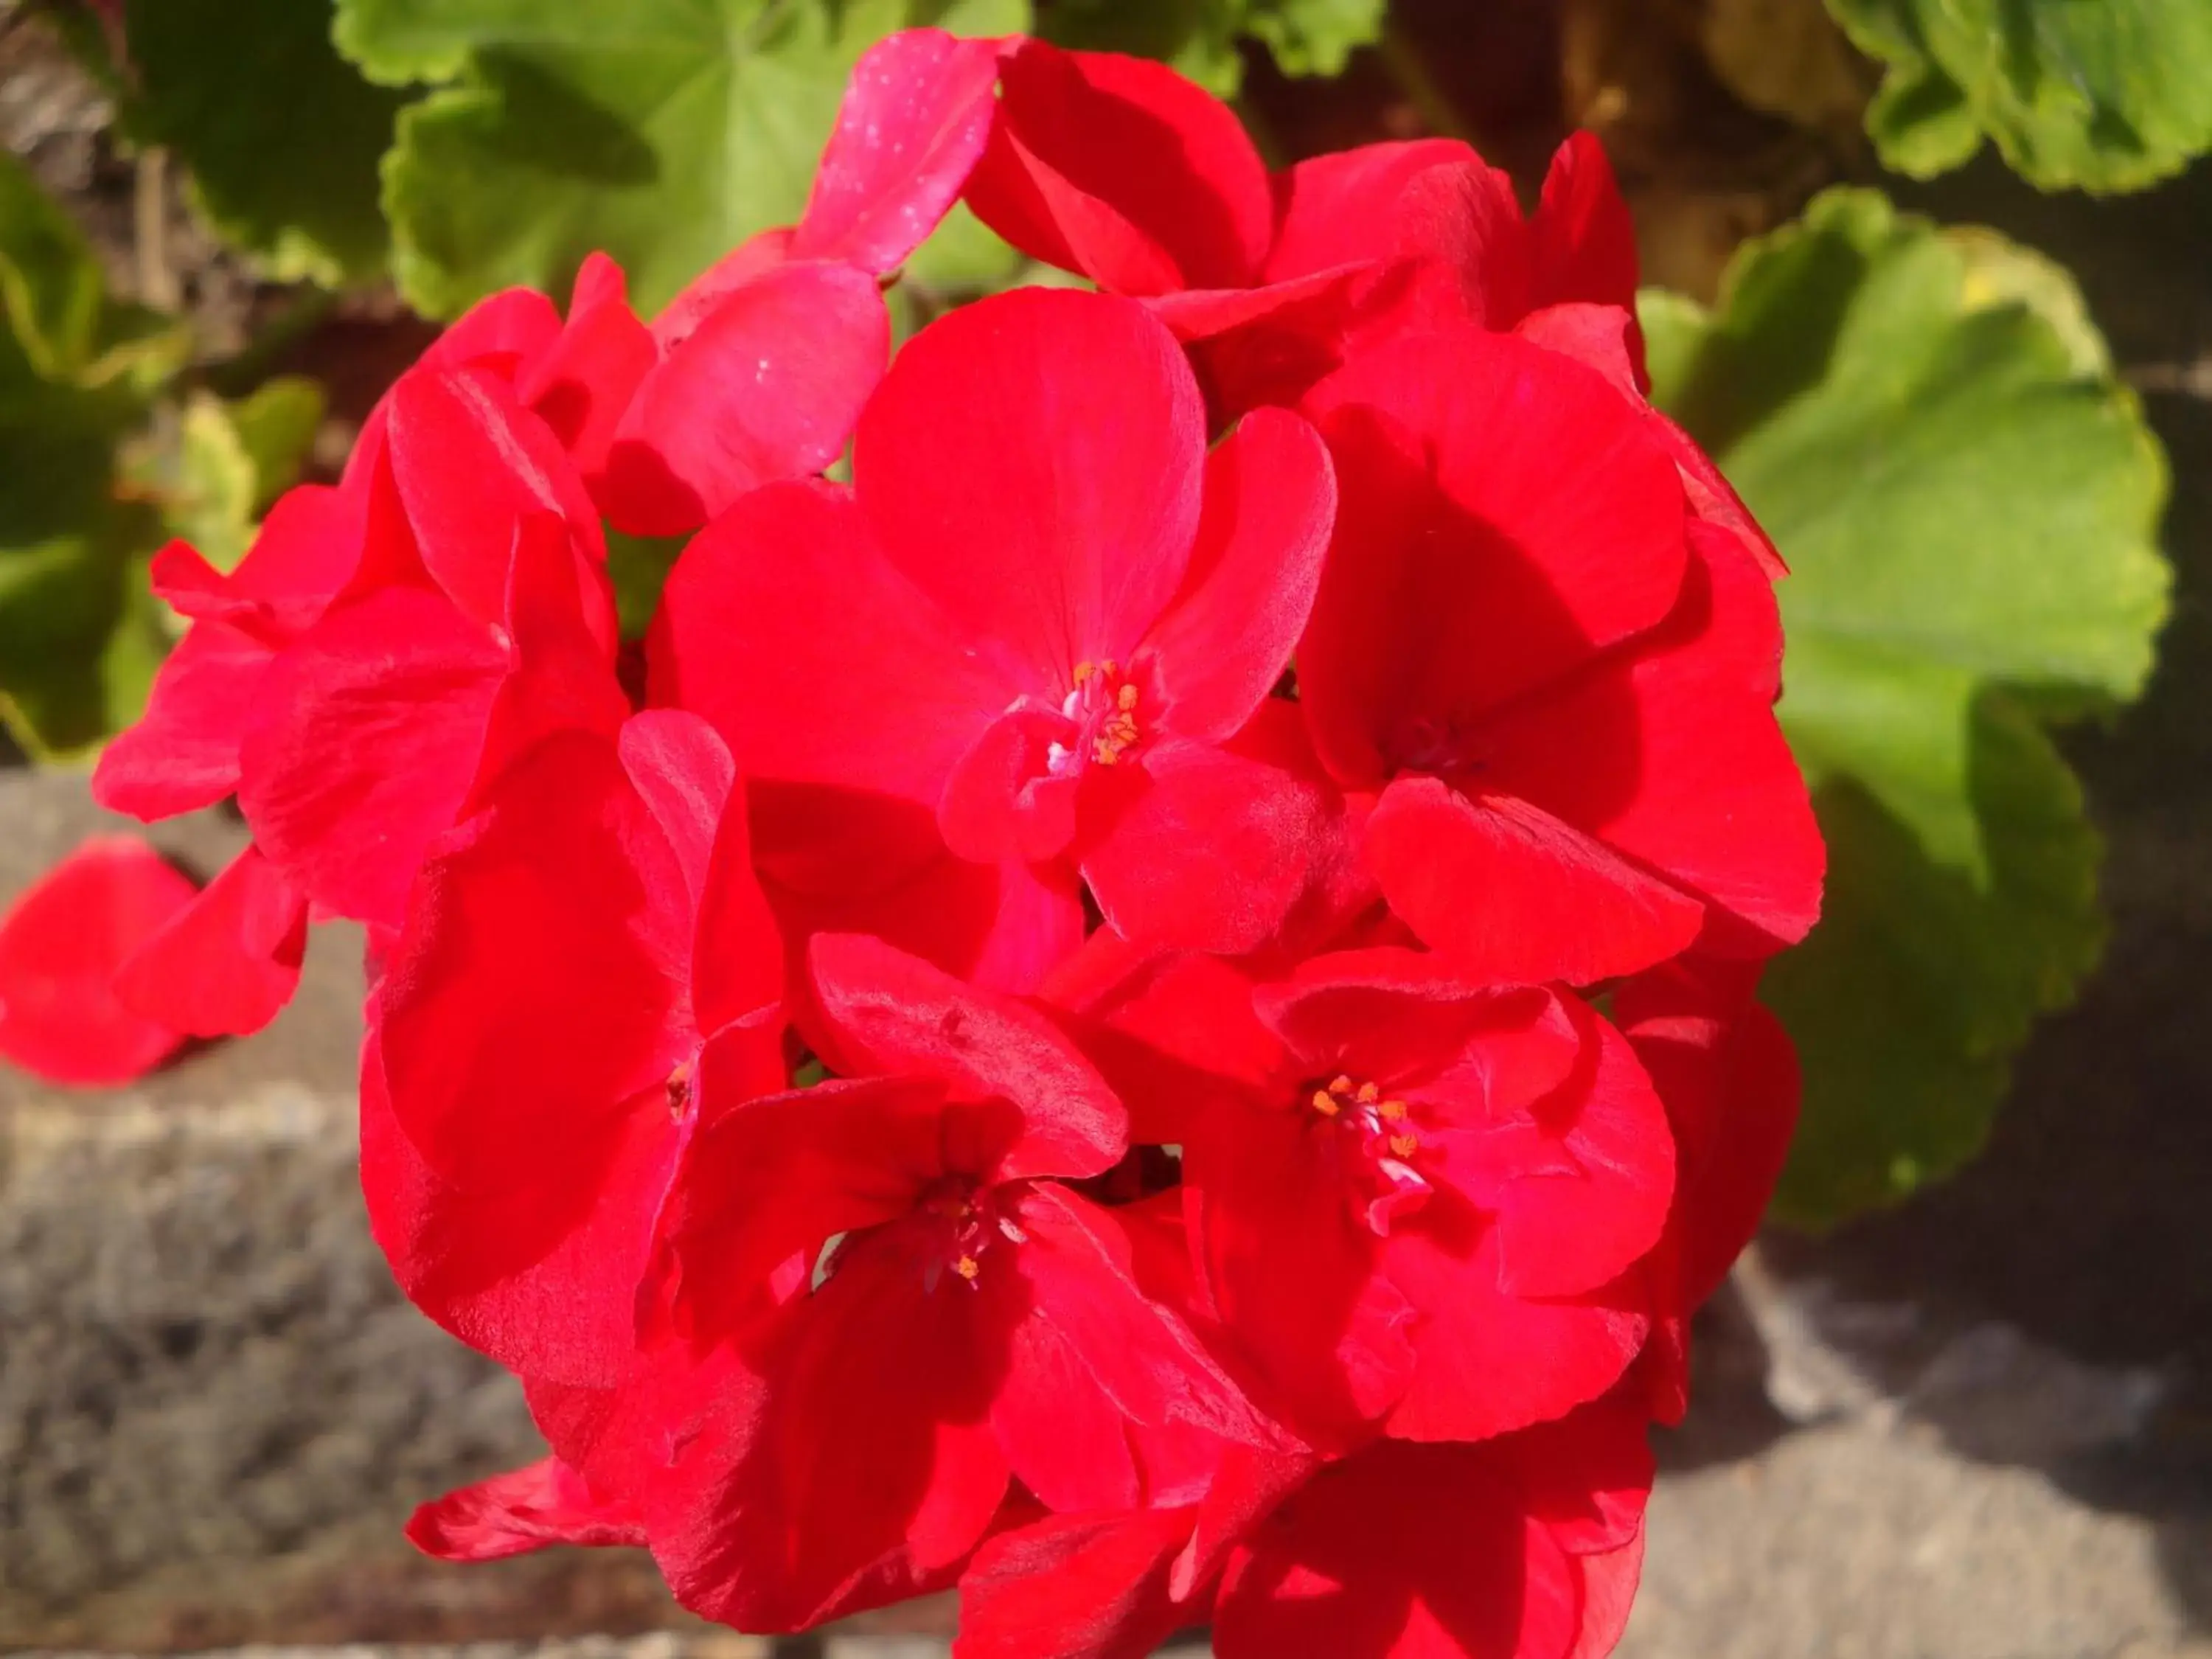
[215, 1410]
[1932, 1484]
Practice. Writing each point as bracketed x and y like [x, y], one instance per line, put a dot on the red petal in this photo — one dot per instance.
[1122, 170]
[582, 384]
[226, 962]
[470, 463]
[61, 944]
[915, 115]
[1679, 761]
[679, 320]
[1002, 800]
[1397, 1017]
[1347, 204]
[306, 550]
[1577, 1183]
[1582, 240]
[506, 1061]
[842, 1471]
[1074, 1587]
[1205, 849]
[1080, 1275]
[766, 1179]
[182, 753]
[1510, 895]
[372, 728]
[785, 626]
[1002, 926]
[684, 773]
[894, 1015]
[543, 1280]
[526, 1509]
[767, 387]
[1033, 463]
[1487, 1362]
[1465, 221]
[1505, 515]
[1294, 1276]
[1728, 1074]
[1270, 503]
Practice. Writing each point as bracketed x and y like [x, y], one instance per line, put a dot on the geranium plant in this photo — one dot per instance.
[1143, 1004]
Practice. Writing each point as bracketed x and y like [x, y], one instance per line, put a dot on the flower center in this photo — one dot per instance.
[1378, 1146]
[1103, 708]
[960, 1223]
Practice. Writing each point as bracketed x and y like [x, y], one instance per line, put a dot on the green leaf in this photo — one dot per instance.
[78, 371]
[225, 462]
[1199, 37]
[1314, 37]
[665, 131]
[2099, 94]
[283, 135]
[1928, 425]
[72, 555]
[638, 568]
[60, 329]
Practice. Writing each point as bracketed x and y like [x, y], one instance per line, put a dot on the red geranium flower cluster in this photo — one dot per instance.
[1145, 1008]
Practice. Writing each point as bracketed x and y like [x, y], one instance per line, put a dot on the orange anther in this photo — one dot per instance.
[1392, 1111]
[1368, 1094]
[968, 1268]
[1341, 1086]
[1405, 1146]
[1126, 698]
[1324, 1103]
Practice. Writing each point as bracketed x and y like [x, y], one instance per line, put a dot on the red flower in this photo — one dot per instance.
[477, 617]
[1006, 1329]
[1121, 170]
[1024, 644]
[1412, 1200]
[1523, 1547]
[61, 944]
[535, 1069]
[1559, 687]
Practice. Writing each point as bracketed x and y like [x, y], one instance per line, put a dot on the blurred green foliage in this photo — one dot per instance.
[1200, 37]
[105, 459]
[2097, 94]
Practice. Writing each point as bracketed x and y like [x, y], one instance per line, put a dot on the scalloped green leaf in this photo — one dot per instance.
[1928, 426]
[665, 131]
[2095, 95]
[283, 135]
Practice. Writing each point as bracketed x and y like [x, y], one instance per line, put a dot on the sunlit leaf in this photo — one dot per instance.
[1969, 504]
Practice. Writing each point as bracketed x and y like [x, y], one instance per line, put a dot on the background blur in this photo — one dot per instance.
[1958, 1403]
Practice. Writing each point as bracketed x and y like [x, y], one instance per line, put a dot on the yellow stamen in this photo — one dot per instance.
[968, 1268]
[1405, 1146]
[1324, 1103]
[1392, 1111]
[1341, 1086]
[1368, 1094]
